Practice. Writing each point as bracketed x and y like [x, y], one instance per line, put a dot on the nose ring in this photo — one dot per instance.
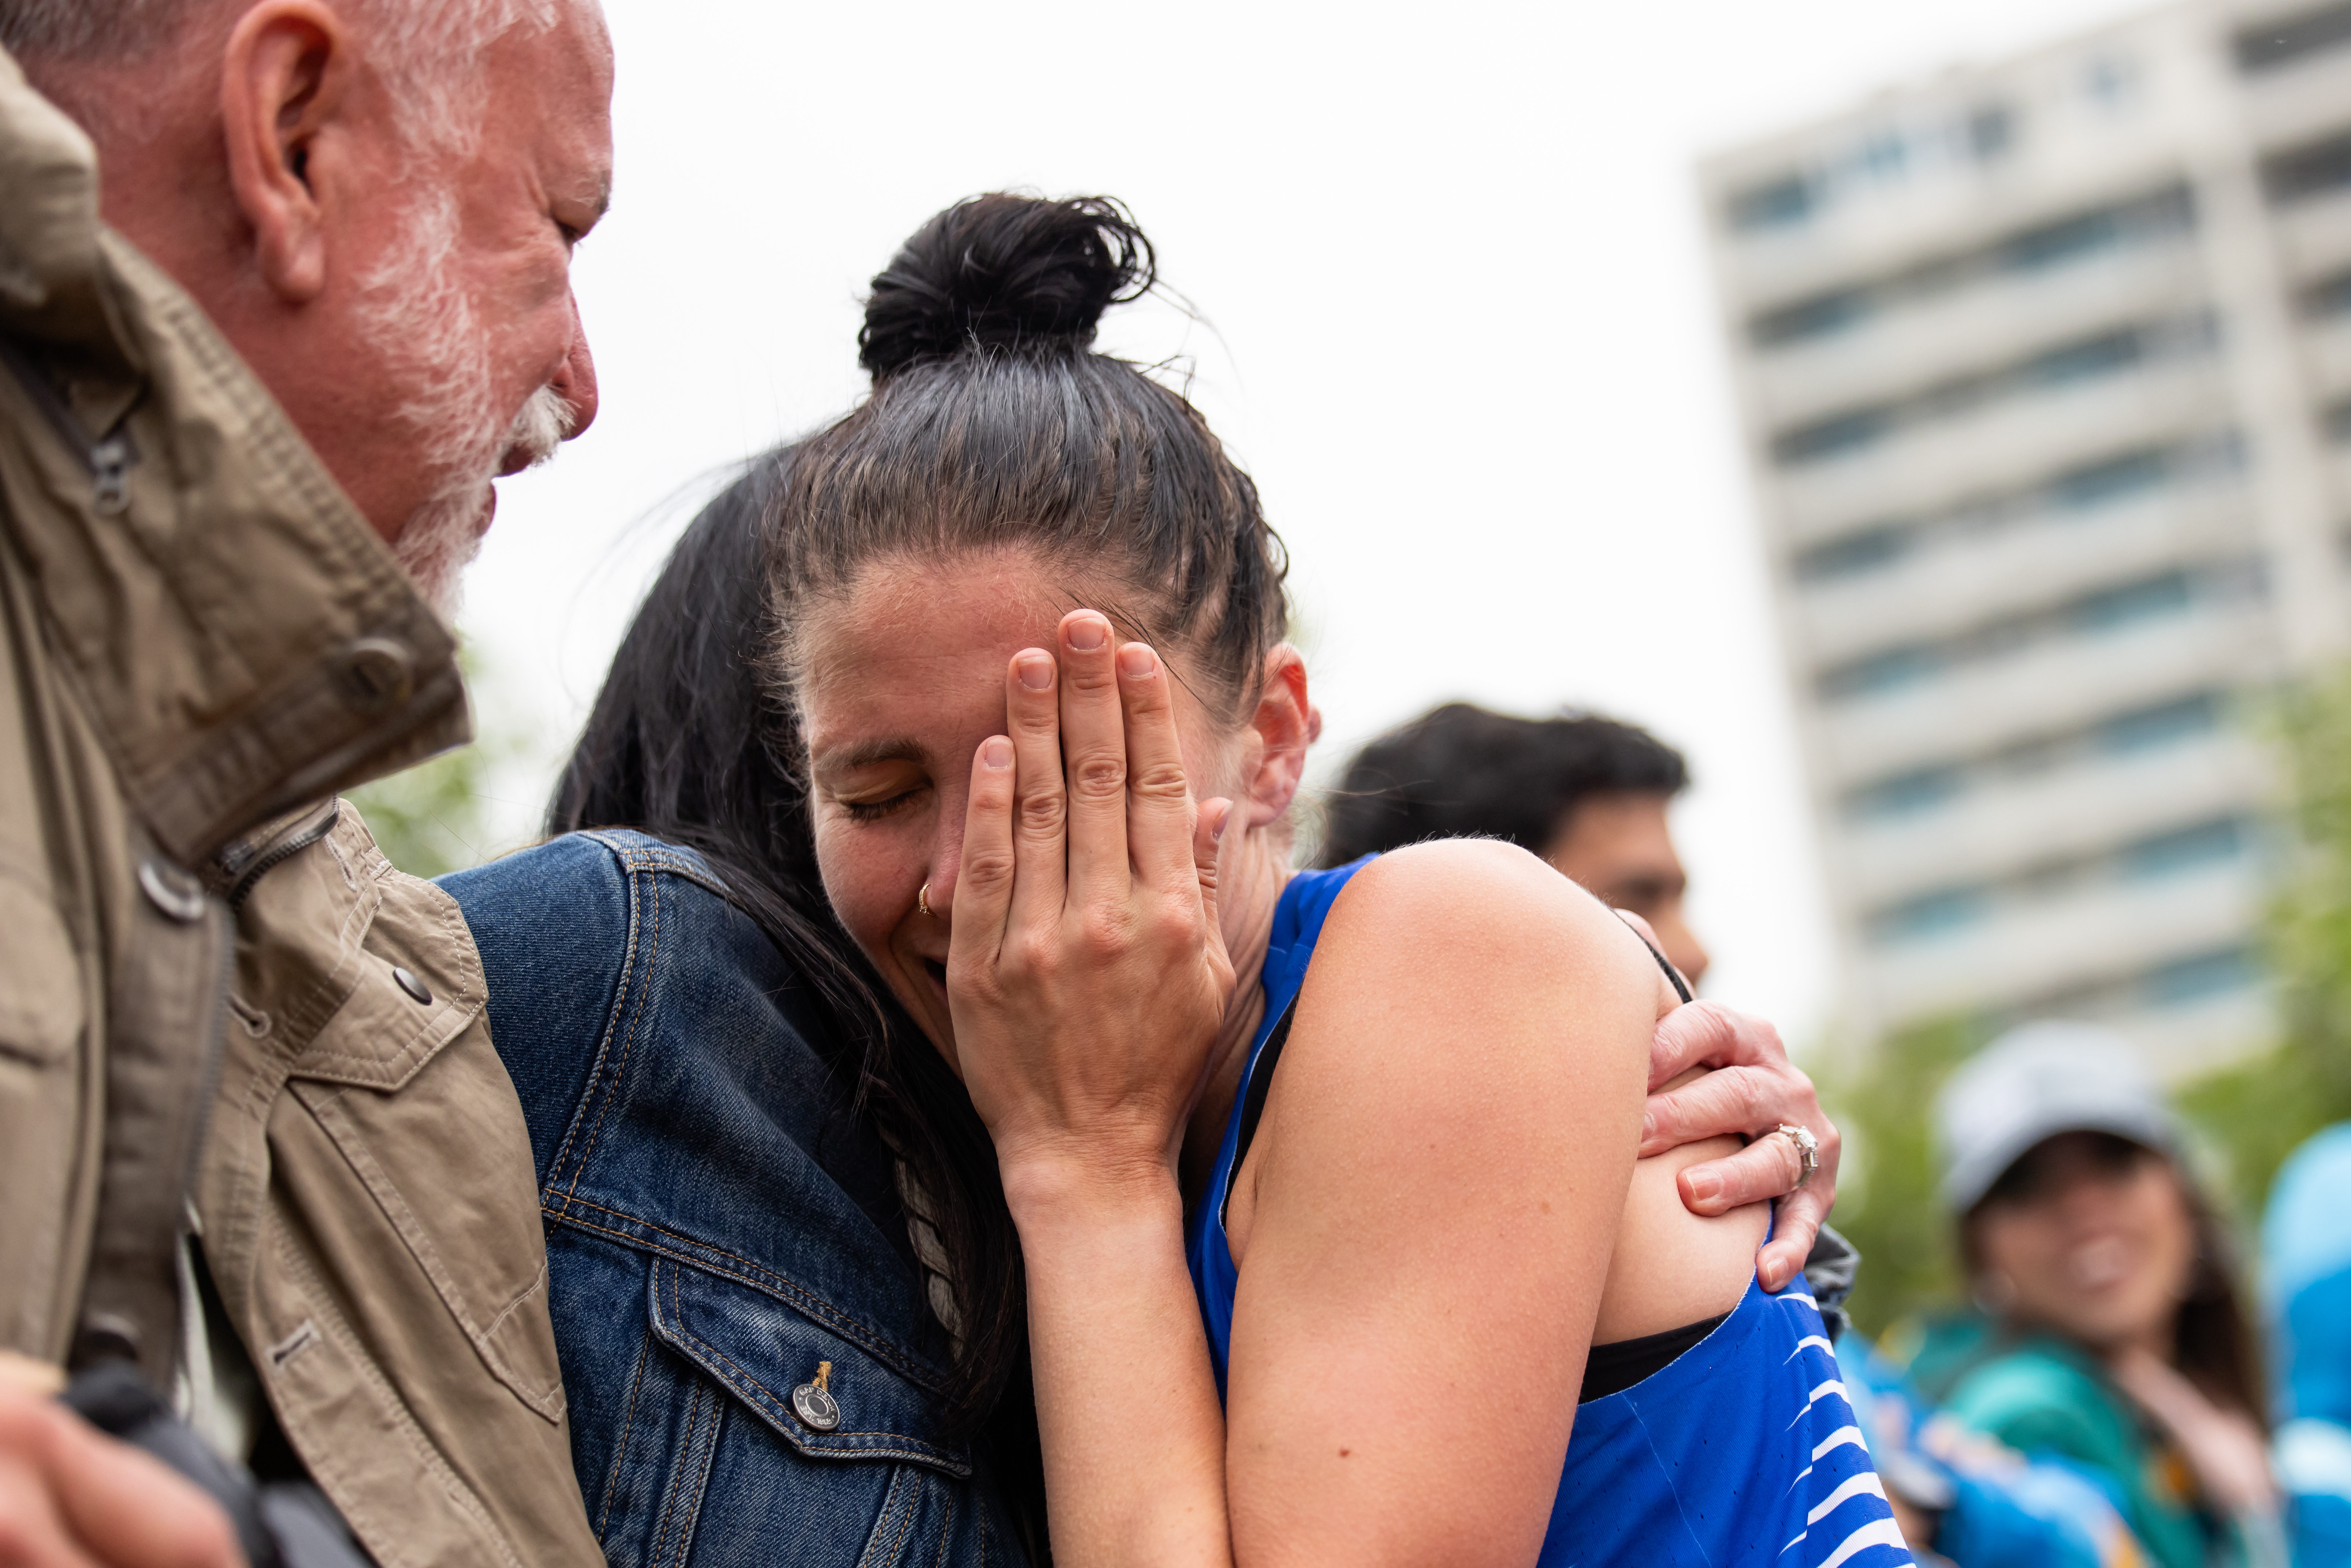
[922, 901]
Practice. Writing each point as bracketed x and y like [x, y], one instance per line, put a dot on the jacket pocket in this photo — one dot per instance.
[825, 1396]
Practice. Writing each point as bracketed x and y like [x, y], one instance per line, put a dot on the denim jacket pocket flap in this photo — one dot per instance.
[764, 1353]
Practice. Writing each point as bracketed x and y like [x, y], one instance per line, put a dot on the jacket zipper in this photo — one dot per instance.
[284, 850]
[109, 458]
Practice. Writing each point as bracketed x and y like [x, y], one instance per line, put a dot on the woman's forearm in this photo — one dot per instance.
[1118, 1350]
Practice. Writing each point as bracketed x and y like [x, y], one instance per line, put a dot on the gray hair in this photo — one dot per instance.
[427, 50]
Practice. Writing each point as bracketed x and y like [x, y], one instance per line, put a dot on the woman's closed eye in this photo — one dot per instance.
[873, 808]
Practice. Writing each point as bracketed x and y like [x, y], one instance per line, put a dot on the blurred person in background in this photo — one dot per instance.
[2306, 1269]
[284, 287]
[1588, 794]
[2113, 1336]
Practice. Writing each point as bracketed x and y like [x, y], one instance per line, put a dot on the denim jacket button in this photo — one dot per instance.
[813, 1403]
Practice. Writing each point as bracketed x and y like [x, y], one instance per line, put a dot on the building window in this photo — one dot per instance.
[2199, 977]
[2146, 729]
[2331, 297]
[1906, 795]
[2110, 80]
[1991, 131]
[2184, 850]
[2053, 369]
[2102, 484]
[2308, 171]
[2111, 609]
[1934, 915]
[2162, 215]
[2095, 615]
[1921, 790]
[2070, 493]
[1781, 204]
[2270, 45]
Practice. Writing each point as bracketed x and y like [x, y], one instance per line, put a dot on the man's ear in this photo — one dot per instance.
[286, 75]
[1284, 725]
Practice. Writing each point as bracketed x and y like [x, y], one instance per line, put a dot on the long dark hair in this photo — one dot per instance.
[687, 742]
[2214, 1345]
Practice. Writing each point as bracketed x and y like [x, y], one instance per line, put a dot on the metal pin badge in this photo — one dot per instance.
[813, 1402]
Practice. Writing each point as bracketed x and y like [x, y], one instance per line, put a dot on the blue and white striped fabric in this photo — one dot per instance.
[1744, 1450]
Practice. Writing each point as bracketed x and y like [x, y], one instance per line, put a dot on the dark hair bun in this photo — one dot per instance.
[1017, 274]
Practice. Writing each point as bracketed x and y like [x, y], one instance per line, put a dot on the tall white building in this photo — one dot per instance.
[2047, 373]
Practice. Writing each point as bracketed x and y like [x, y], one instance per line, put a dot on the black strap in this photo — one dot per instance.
[1681, 986]
[1253, 1098]
[1614, 1368]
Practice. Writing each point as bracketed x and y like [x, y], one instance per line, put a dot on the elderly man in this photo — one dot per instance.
[253, 1139]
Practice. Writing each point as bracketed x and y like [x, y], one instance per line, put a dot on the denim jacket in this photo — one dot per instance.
[719, 1229]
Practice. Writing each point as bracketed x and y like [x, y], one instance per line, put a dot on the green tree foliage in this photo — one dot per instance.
[432, 818]
[2257, 1113]
[1887, 1205]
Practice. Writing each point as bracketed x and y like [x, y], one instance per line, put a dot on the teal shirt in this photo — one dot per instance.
[2045, 1399]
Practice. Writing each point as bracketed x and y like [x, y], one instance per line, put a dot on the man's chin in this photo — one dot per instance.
[441, 540]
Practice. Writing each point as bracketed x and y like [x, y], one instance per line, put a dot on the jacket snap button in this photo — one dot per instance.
[378, 674]
[412, 985]
[172, 891]
[813, 1402]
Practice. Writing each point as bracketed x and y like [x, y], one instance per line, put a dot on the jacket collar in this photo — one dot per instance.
[240, 638]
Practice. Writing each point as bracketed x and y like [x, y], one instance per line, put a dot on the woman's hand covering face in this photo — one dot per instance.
[1087, 974]
[1753, 1089]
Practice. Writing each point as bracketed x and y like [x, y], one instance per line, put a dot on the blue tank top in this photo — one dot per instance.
[1743, 1450]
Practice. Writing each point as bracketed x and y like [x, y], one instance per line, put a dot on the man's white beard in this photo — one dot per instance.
[420, 323]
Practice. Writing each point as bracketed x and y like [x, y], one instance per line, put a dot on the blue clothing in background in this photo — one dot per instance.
[719, 1228]
[1990, 1506]
[2307, 1268]
[1744, 1450]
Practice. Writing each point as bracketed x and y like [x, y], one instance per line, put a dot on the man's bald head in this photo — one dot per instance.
[376, 201]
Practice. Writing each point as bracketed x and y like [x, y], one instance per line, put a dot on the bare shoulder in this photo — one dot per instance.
[1475, 913]
[1468, 991]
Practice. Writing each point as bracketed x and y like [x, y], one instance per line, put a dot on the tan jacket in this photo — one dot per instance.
[219, 1004]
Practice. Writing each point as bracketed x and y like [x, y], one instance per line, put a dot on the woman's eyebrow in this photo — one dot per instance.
[866, 753]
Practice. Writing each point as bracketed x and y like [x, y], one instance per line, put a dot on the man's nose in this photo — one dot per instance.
[575, 383]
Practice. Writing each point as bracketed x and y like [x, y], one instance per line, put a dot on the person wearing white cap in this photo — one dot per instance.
[2117, 1339]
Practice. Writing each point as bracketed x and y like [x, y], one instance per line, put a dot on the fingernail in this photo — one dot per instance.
[1775, 1273]
[1704, 1186]
[1037, 672]
[1648, 1128]
[996, 752]
[1224, 821]
[1137, 662]
[1089, 632]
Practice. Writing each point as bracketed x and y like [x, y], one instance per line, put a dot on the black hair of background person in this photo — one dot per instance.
[685, 744]
[1465, 771]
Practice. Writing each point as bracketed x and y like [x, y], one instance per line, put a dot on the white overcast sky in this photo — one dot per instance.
[1458, 325]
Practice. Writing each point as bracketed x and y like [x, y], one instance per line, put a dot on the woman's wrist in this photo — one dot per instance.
[1048, 1184]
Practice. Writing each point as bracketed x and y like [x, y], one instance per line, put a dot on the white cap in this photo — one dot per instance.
[2033, 1083]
